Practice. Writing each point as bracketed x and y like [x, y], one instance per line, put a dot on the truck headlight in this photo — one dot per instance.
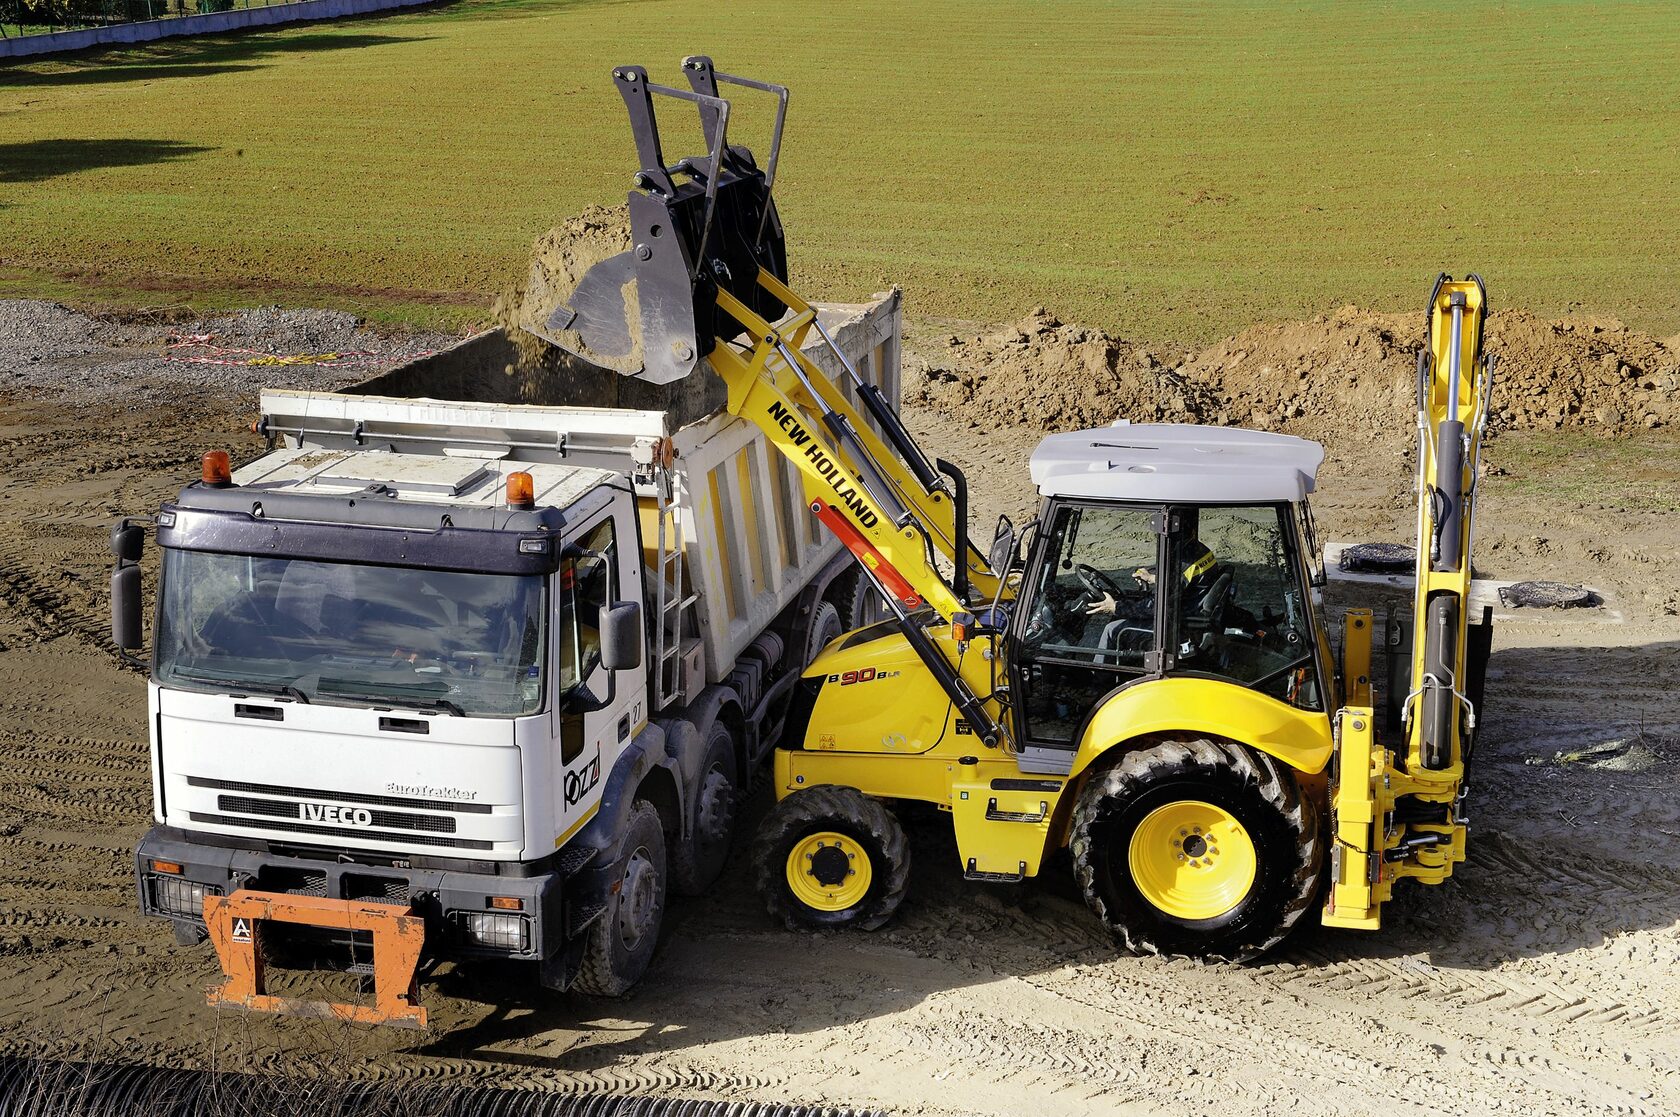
[497, 930]
[174, 896]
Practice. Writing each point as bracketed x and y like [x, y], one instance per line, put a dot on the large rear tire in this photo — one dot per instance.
[623, 938]
[857, 601]
[1197, 847]
[696, 863]
[824, 627]
[831, 857]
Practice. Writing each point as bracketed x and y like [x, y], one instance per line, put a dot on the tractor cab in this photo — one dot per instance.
[1165, 551]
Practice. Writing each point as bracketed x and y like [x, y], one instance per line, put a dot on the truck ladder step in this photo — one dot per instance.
[972, 873]
[575, 858]
[580, 917]
[995, 815]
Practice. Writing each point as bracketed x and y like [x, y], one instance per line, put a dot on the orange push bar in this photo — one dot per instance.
[398, 936]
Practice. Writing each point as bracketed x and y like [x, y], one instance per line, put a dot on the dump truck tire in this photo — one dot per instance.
[831, 857]
[824, 626]
[1197, 847]
[856, 600]
[696, 863]
[622, 940]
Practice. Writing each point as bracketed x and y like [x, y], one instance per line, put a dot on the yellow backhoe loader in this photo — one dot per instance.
[1143, 676]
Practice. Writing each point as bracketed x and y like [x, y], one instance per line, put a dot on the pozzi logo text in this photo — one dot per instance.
[343, 816]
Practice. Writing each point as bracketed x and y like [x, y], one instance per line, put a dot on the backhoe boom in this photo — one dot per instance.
[1399, 813]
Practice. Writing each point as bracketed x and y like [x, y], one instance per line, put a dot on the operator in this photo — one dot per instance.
[1201, 569]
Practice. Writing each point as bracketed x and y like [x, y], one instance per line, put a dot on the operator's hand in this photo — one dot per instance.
[1105, 604]
[1144, 577]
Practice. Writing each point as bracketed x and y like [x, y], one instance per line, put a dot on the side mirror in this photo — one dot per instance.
[125, 606]
[1003, 545]
[127, 541]
[621, 636]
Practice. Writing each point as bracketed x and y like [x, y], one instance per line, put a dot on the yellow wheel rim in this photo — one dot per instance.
[828, 871]
[1192, 859]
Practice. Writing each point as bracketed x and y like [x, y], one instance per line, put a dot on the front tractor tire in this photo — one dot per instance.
[1197, 847]
[827, 858]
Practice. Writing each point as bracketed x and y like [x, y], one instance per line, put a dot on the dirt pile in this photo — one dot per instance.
[1581, 371]
[1347, 374]
[1045, 373]
[559, 259]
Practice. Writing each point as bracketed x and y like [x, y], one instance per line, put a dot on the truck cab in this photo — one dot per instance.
[424, 663]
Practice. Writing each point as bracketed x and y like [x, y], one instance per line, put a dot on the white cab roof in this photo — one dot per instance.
[1176, 462]
[426, 478]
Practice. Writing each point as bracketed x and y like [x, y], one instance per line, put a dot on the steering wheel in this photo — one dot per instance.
[1098, 583]
[1211, 608]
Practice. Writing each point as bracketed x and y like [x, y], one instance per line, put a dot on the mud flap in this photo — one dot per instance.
[398, 937]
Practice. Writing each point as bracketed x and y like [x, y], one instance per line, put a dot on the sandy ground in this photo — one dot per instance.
[1544, 978]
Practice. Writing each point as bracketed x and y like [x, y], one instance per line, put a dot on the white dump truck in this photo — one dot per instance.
[470, 662]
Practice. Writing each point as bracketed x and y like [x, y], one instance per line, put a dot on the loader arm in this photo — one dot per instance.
[1400, 813]
[704, 278]
[708, 261]
[851, 483]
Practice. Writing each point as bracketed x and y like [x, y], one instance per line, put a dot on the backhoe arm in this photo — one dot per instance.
[1399, 813]
[1453, 377]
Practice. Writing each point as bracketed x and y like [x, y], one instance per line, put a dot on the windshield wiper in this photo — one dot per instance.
[283, 690]
[401, 701]
[441, 704]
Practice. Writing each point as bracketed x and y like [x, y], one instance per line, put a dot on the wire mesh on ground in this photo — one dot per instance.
[53, 1088]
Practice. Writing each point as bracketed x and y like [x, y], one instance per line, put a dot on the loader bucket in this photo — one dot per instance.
[642, 300]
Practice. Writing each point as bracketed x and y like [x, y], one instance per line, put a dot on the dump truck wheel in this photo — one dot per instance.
[856, 600]
[831, 857]
[622, 939]
[1197, 847]
[824, 626]
[696, 863]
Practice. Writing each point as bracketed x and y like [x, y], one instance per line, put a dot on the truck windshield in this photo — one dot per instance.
[349, 634]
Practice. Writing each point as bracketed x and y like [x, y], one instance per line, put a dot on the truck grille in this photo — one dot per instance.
[336, 831]
[391, 820]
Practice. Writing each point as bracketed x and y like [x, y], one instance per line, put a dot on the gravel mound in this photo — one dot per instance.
[48, 352]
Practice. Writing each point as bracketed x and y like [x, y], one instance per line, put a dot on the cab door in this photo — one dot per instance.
[596, 712]
[1091, 619]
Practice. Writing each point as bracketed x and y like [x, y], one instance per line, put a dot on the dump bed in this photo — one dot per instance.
[727, 539]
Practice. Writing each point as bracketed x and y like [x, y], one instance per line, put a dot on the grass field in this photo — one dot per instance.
[1170, 170]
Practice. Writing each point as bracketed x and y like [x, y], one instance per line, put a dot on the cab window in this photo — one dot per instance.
[1091, 622]
[588, 583]
[1236, 608]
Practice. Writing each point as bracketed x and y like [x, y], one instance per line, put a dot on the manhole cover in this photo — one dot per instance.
[1379, 558]
[1547, 595]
